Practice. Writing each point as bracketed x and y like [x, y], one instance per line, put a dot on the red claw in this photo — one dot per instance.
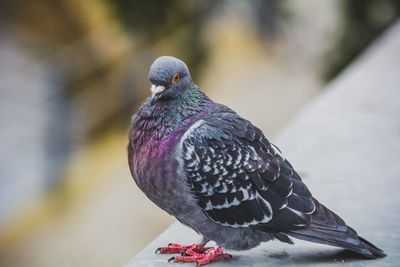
[176, 248]
[195, 253]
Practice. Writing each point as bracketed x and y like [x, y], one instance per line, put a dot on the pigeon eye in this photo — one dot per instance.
[176, 78]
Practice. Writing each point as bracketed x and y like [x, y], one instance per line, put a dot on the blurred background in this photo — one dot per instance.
[72, 73]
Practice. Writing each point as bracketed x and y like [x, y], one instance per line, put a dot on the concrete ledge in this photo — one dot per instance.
[346, 145]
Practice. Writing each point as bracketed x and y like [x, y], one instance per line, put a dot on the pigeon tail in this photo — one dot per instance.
[328, 228]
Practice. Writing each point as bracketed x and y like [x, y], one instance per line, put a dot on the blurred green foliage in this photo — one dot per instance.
[153, 20]
[363, 21]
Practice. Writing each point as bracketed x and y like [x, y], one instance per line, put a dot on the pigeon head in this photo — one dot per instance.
[169, 77]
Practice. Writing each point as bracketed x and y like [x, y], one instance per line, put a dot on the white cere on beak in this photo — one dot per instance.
[155, 90]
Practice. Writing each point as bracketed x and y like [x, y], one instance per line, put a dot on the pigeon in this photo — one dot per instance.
[218, 174]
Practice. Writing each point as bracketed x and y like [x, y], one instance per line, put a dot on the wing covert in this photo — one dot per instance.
[239, 178]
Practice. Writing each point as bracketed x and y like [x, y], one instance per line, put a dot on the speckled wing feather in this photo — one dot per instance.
[240, 179]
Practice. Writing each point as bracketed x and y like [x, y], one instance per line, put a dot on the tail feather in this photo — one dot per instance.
[377, 252]
[328, 228]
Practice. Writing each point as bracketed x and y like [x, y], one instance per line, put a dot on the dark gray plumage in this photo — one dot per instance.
[217, 173]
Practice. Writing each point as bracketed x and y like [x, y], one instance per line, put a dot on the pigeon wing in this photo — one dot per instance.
[240, 179]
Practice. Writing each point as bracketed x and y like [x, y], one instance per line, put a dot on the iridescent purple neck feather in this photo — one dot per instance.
[156, 126]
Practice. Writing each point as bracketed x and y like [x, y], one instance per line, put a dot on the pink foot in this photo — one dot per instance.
[202, 258]
[176, 248]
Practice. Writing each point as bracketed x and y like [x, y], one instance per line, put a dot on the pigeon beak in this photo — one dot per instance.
[155, 92]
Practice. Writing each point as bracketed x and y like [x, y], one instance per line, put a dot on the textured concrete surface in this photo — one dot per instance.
[346, 145]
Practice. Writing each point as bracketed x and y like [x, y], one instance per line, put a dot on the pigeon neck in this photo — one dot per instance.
[178, 110]
[161, 119]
